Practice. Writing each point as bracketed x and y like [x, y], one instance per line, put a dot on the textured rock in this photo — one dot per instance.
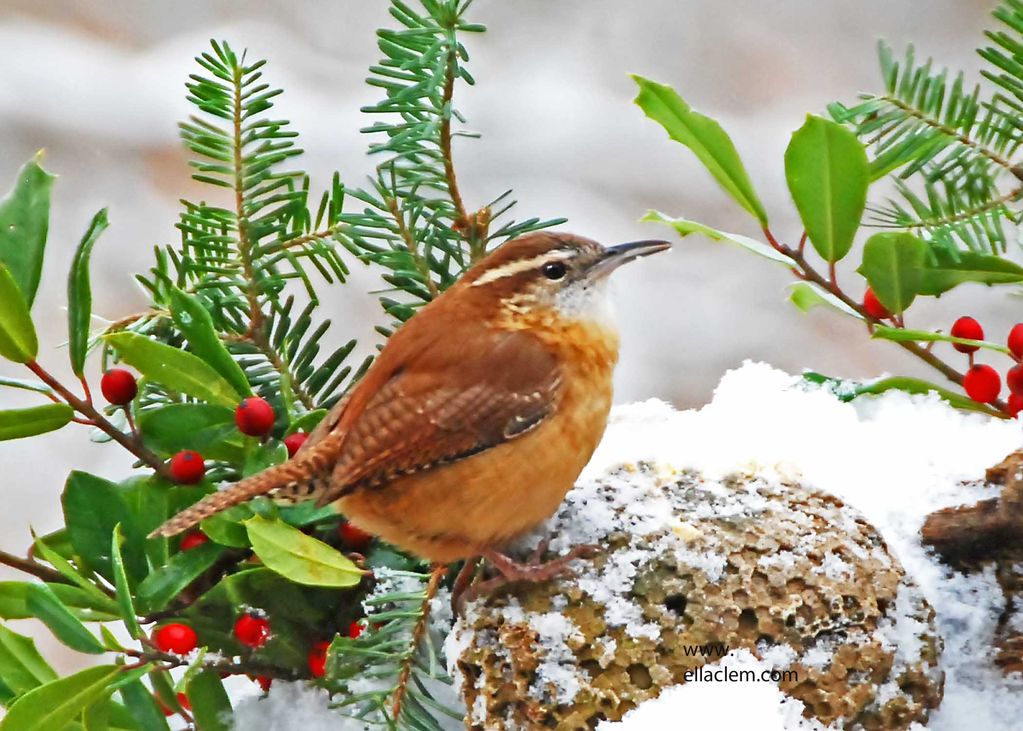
[791, 574]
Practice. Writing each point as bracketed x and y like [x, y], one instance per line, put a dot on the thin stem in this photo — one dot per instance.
[400, 690]
[462, 218]
[86, 409]
[413, 247]
[28, 566]
[306, 238]
[240, 668]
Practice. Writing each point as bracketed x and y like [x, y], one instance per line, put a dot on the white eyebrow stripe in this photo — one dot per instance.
[515, 267]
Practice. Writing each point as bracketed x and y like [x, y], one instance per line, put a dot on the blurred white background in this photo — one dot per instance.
[99, 85]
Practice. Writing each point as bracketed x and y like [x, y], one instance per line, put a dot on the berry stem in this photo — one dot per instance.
[132, 443]
[808, 273]
[168, 661]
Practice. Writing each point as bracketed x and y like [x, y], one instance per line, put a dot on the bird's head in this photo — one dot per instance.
[551, 272]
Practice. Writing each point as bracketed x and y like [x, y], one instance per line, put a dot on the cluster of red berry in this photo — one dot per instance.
[982, 382]
[254, 417]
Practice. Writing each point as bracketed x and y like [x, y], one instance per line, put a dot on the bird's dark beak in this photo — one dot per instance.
[615, 256]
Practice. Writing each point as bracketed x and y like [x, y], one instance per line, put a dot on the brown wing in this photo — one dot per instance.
[450, 400]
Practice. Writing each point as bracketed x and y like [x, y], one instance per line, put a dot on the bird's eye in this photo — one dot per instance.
[554, 270]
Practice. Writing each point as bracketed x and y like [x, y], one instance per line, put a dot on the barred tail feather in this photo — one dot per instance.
[266, 482]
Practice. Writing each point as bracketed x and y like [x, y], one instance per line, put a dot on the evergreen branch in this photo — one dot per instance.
[437, 573]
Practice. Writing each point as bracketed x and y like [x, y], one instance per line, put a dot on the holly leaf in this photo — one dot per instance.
[207, 428]
[24, 222]
[210, 704]
[92, 507]
[950, 269]
[174, 368]
[22, 668]
[79, 294]
[685, 227]
[195, 322]
[122, 586]
[156, 591]
[59, 702]
[66, 627]
[828, 174]
[301, 558]
[807, 295]
[18, 423]
[893, 265]
[18, 341]
[705, 137]
[899, 334]
[143, 708]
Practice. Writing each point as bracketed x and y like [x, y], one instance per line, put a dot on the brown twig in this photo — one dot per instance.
[401, 688]
[413, 248]
[86, 409]
[256, 316]
[28, 566]
[240, 668]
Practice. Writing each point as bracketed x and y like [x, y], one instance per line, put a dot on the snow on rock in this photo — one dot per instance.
[894, 458]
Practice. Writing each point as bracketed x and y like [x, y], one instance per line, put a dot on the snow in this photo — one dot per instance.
[894, 457]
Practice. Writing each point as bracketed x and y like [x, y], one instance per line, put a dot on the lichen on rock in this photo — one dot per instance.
[690, 568]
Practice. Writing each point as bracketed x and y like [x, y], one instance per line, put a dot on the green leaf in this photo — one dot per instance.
[893, 265]
[948, 270]
[847, 390]
[22, 668]
[299, 557]
[195, 322]
[899, 334]
[807, 295]
[96, 717]
[210, 704]
[174, 368]
[24, 220]
[92, 507]
[307, 422]
[206, 428]
[59, 702]
[165, 583]
[685, 228]
[18, 341]
[262, 456]
[828, 174]
[79, 294]
[226, 526]
[121, 584]
[13, 599]
[18, 423]
[143, 708]
[705, 137]
[66, 627]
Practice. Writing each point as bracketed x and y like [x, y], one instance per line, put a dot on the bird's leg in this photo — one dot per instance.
[462, 582]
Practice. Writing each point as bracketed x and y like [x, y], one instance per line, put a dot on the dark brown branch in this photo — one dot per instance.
[240, 668]
[32, 568]
[86, 409]
[401, 688]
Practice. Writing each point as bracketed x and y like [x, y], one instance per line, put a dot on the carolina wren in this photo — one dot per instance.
[477, 416]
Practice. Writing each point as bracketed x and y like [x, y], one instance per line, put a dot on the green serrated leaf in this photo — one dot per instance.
[705, 137]
[24, 221]
[174, 368]
[122, 585]
[828, 174]
[948, 271]
[18, 341]
[210, 704]
[807, 295]
[893, 265]
[66, 627]
[18, 423]
[22, 668]
[79, 294]
[165, 583]
[195, 322]
[59, 702]
[685, 228]
[299, 557]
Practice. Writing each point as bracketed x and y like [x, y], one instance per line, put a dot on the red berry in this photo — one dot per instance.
[982, 383]
[254, 416]
[177, 638]
[873, 306]
[187, 467]
[1014, 404]
[966, 327]
[193, 539]
[264, 682]
[1014, 380]
[354, 538]
[355, 629]
[294, 441]
[1015, 341]
[252, 631]
[118, 386]
[318, 659]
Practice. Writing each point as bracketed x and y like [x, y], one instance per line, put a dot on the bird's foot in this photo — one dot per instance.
[511, 571]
